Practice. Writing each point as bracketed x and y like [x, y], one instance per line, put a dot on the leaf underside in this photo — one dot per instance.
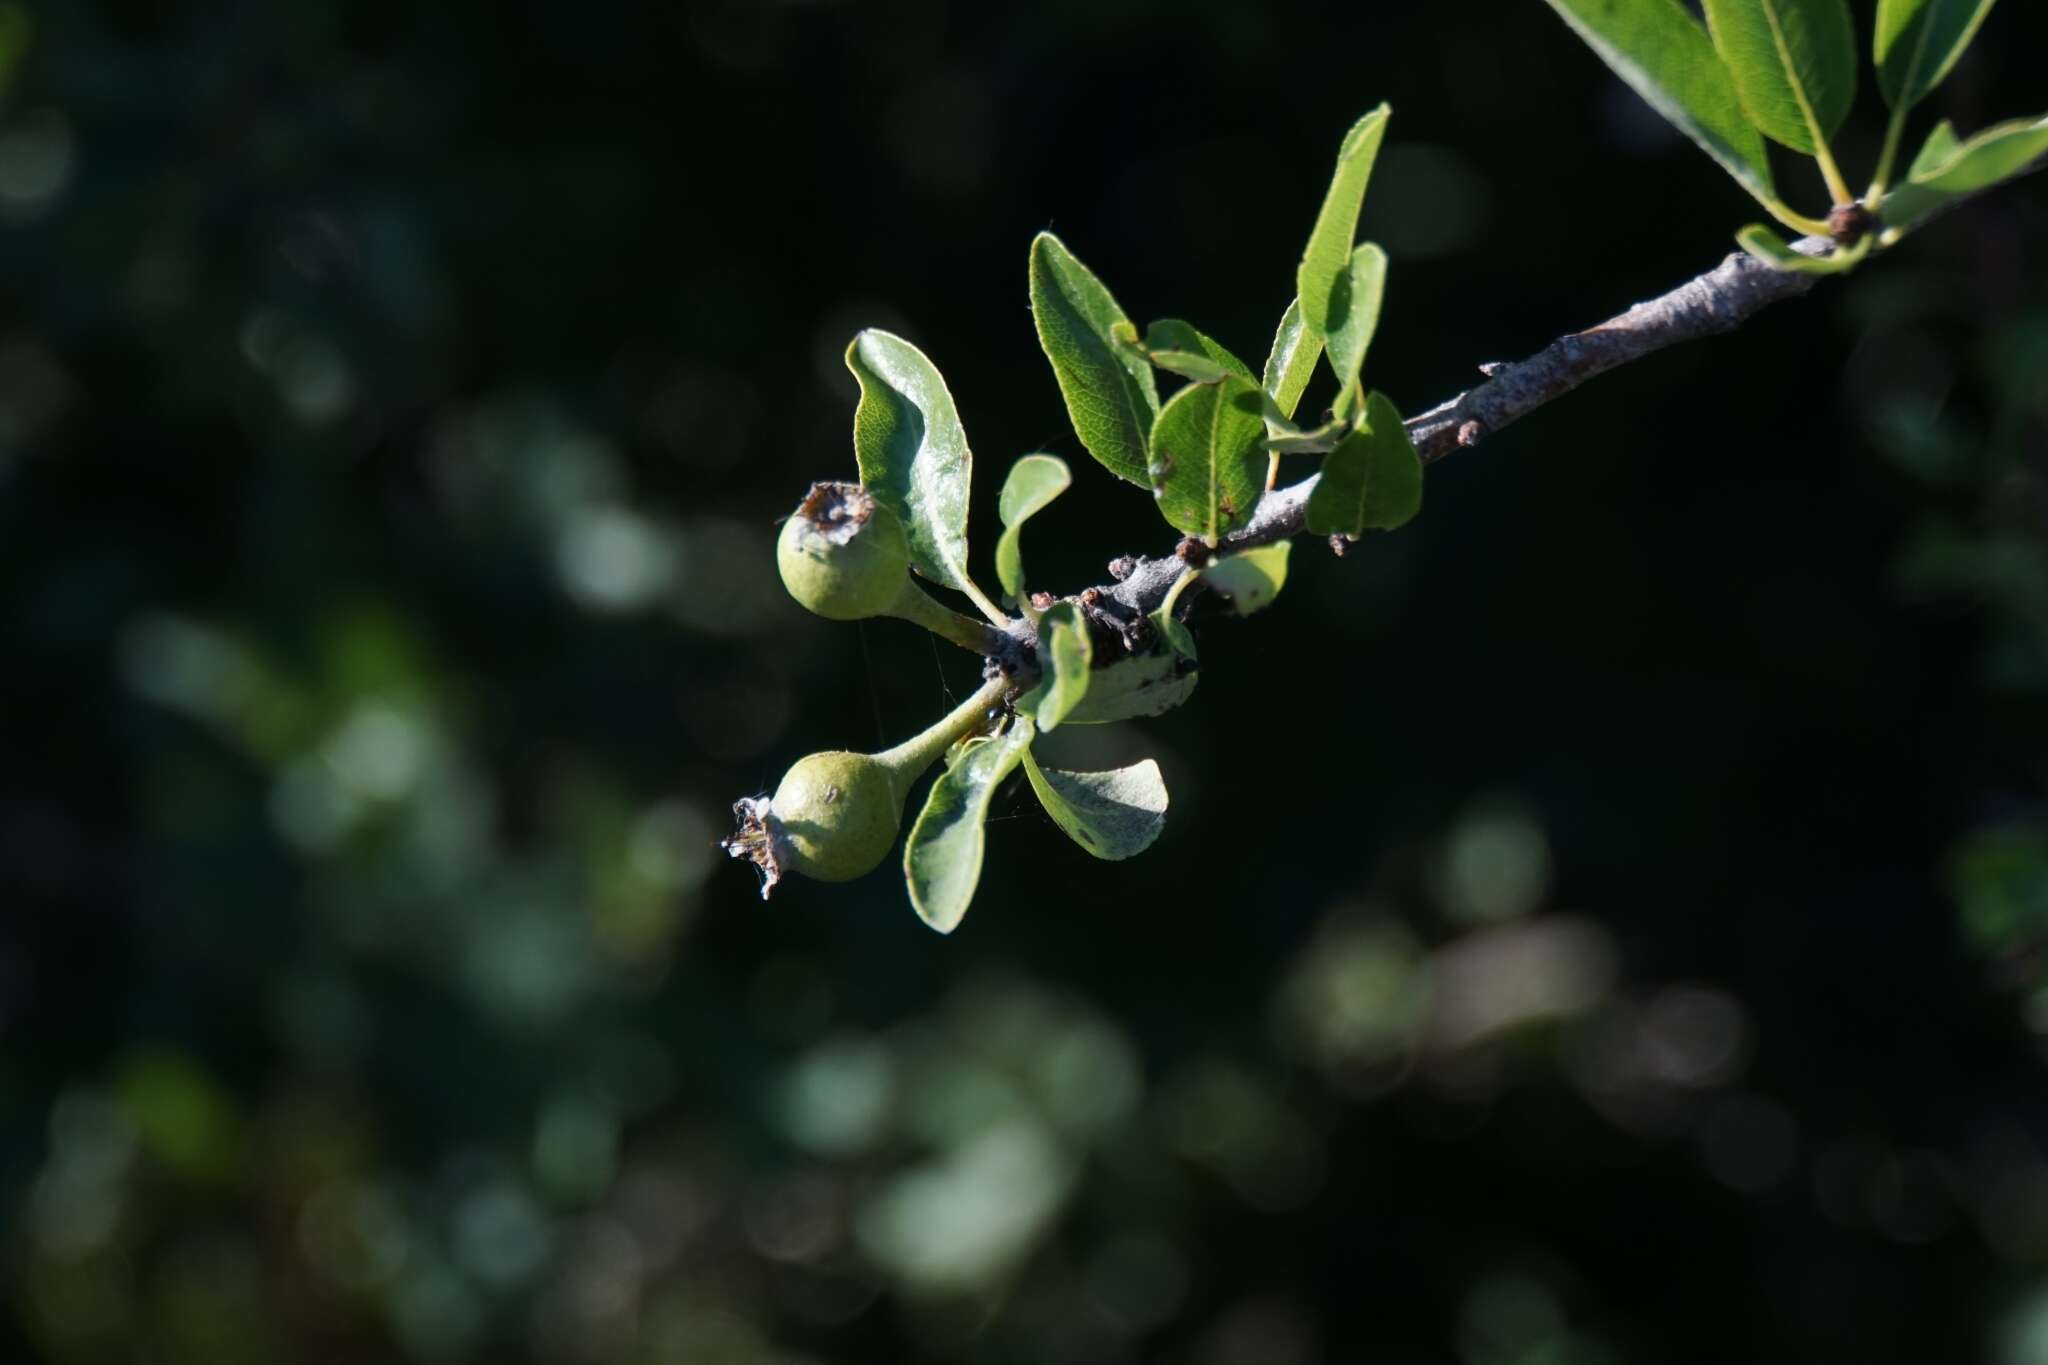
[913, 451]
[942, 860]
[1114, 815]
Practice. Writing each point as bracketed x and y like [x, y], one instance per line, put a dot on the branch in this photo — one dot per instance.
[1718, 301]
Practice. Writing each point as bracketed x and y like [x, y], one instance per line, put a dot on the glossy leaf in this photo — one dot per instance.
[1033, 482]
[1186, 351]
[1794, 64]
[1941, 144]
[1114, 815]
[1917, 43]
[1065, 654]
[1773, 250]
[1998, 153]
[1354, 317]
[1209, 457]
[1947, 170]
[1291, 363]
[1108, 387]
[912, 451]
[942, 861]
[1251, 579]
[1372, 481]
[1664, 55]
[1329, 243]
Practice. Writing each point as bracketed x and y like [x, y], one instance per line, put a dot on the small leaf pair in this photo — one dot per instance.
[1113, 815]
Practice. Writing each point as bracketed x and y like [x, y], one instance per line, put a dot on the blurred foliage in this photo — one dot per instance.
[396, 404]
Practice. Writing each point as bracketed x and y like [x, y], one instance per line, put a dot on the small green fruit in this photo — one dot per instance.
[842, 554]
[837, 813]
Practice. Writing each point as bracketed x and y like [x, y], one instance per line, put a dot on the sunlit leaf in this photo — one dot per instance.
[1066, 654]
[1033, 482]
[1209, 457]
[1917, 42]
[1354, 317]
[1664, 55]
[1794, 64]
[1250, 578]
[912, 451]
[1372, 481]
[1329, 243]
[1998, 153]
[1773, 250]
[1292, 440]
[1114, 815]
[942, 862]
[1291, 363]
[1947, 170]
[1108, 387]
[1186, 351]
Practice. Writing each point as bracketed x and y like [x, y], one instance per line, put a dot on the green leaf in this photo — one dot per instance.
[1033, 482]
[1794, 64]
[942, 861]
[1066, 654]
[1251, 578]
[1114, 815]
[1292, 440]
[1372, 481]
[1947, 170]
[1108, 387]
[913, 452]
[1941, 144]
[1329, 243]
[1209, 457]
[1666, 57]
[1998, 153]
[1774, 251]
[1354, 317]
[1917, 43]
[1182, 349]
[1291, 363]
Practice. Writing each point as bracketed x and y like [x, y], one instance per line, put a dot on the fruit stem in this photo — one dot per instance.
[916, 605]
[910, 758]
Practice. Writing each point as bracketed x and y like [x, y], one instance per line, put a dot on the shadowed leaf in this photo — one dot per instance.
[1917, 42]
[1114, 815]
[1372, 481]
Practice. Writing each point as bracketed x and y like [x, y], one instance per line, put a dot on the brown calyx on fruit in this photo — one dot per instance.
[837, 511]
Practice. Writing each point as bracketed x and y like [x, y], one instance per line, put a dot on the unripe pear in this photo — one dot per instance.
[843, 554]
[834, 816]
[838, 813]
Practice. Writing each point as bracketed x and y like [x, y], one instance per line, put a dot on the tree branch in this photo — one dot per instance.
[1719, 301]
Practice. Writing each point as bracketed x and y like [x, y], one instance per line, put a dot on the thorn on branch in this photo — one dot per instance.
[1338, 544]
[1122, 567]
[1490, 368]
[1192, 552]
[1471, 433]
[1042, 600]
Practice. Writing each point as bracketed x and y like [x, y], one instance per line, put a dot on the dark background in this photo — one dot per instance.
[1596, 923]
